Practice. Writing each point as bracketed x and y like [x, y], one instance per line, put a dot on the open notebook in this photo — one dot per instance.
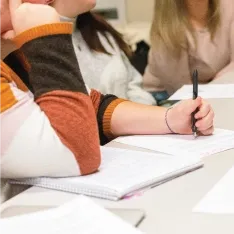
[74, 217]
[122, 172]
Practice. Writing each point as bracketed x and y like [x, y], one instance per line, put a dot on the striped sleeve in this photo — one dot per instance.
[61, 95]
[30, 147]
[104, 107]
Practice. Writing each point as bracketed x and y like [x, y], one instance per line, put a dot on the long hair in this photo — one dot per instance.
[170, 23]
[90, 24]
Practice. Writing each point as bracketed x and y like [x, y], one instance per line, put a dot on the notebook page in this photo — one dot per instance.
[122, 171]
[178, 145]
[220, 200]
[205, 91]
[80, 216]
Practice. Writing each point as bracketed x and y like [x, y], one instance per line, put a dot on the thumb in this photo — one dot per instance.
[14, 5]
[191, 105]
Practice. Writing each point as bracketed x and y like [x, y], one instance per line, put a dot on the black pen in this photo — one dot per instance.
[195, 94]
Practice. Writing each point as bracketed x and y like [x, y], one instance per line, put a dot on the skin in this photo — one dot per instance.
[12, 16]
[72, 8]
[142, 119]
[197, 11]
[128, 118]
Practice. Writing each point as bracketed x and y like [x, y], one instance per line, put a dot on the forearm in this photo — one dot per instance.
[132, 119]
[226, 71]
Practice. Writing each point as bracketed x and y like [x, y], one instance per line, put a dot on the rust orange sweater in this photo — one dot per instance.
[52, 124]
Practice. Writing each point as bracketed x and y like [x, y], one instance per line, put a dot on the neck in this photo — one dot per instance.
[198, 11]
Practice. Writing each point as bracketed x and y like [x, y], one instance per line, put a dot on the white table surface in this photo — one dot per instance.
[169, 206]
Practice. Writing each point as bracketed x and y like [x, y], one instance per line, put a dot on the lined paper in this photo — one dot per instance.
[179, 145]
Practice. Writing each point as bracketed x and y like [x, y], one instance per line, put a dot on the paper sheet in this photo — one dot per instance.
[80, 216]
[220, 200]
[180, 145]
[123, 171]
[205, 91]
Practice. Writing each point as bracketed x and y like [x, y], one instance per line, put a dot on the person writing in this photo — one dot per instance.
[56, 130]
[191, 35]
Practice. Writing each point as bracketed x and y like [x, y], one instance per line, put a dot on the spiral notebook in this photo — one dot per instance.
[73, 217]
[122, 172]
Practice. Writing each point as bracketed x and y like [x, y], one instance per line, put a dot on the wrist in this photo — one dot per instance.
[168, 121]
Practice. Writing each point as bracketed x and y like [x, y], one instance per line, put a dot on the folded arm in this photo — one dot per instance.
[58, 136]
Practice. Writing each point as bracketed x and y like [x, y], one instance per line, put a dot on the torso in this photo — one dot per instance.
[103, 72]
[209, 57]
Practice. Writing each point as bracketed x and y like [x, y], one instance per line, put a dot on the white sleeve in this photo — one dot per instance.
[30, 146]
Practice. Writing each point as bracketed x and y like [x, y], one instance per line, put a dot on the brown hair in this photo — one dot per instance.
[171, 21]
[89, 24]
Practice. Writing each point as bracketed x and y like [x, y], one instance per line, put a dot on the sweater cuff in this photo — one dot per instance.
[42, 31]
[108, 116]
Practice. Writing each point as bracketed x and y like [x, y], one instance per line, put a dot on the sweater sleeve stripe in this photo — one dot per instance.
[7, 97]
[60, 65]
[60, 92]
[95, 97]
[104, 106]
[11, 76]
[42, 31]
[68, 112]
[30, 146]
[34, 149]
[107, 118]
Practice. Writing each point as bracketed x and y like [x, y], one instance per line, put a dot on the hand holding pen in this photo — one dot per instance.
[194, 115]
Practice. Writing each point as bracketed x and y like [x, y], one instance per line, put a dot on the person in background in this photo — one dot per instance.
[56, 128]
[191, 35]
[103, 56]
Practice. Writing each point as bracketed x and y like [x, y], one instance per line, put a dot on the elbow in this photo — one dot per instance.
[86, 152]
[91, 160]
[73, 118]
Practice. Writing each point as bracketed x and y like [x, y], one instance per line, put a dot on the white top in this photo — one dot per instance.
[109, 74]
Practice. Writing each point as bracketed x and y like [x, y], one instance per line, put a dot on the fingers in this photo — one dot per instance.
[189, 106]
[14, 5]
[205, 122]
[206, 118]
[208, 131]
[205, 108]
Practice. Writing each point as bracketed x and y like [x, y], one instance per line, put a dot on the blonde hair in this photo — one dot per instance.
[170, 23]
